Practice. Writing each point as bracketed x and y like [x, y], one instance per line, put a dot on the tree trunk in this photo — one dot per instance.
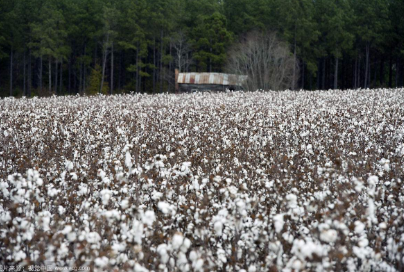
[391, 71]
[161, 61]
[56, 76]
[381, 74]
[319, 75]
[120, 71]
[397, 71]
[104, 62]
[355, 73]
[50, 76]
[40, 73]
[303, 75]
[70, 76]
[137, 69]
[81, 76]
[11, 72]
[367, 65]
[336, 74]
[359, 72]
[84, 70]
[25, 81]
[61, 77]
[29, 73]
[154, 66]
[294, 65]
[323, 75]
[112, 68]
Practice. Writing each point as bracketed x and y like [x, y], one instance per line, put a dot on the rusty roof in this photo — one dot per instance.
[211, 78]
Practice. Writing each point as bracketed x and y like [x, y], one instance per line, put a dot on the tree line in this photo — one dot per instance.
[91, 46]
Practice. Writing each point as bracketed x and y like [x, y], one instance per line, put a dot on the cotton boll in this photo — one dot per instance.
[278, 222]
[105, 196]
[162, 251]
[329, 236]
[101, 261]
[124, 204]
[291, 200]
[61, 210]
[128, 160]
[19, 256]
[359, 227]
[148, 218]
[218, 227]
[93, 237]
[164, 207]
[177, 241]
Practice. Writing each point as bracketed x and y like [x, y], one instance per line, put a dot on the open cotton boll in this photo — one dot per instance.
[278, 222]
[128, 160]
[105, 196]
[164, 207]
[148, 218]
[93, 237]
[162, 250]
[329, 235]
[101, 261]
[291, 200]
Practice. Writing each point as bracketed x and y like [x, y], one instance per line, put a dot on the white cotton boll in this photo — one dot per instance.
[63, 251]
[329, 236]
[128, 160]
[218, 227]
[252, 268]
[164, 207]
[124, 204]
[101, 261]
[71, 237]
[291, 200]
[156, 195]
[177, 241]
[61, 210]
[363, 242]
[304, 133]
[19, 256]
[359, 227]
[297, 265]
[93, 237]
[309, 149]
[69, 165]
[45, 218]
[185, 245]
[67, 229]
[139, 268]
[137, 231]
[74, 176]
[372, 181]
[148, 218]
[39, 182]
[162, 251]
[105, 196]
[278, 222]
[198, 265]
[118, 247]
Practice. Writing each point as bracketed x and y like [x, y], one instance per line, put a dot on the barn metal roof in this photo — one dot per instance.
[211, 78]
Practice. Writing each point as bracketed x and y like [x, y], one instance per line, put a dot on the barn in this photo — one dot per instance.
[217, 82]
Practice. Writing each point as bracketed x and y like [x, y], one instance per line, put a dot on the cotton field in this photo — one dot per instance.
[261, 181]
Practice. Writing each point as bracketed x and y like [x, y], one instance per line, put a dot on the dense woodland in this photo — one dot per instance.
[90, 46]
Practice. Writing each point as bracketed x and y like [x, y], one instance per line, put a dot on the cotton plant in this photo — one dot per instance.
[260, 181]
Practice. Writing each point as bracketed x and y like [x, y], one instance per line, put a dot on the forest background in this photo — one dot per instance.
[89, 46]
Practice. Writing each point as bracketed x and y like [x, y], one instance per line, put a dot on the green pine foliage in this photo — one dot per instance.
[56, 44]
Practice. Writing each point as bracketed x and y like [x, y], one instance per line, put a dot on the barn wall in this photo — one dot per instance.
[206, 87]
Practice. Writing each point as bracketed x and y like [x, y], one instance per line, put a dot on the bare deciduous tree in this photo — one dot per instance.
[265, 59]
[182, 51]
